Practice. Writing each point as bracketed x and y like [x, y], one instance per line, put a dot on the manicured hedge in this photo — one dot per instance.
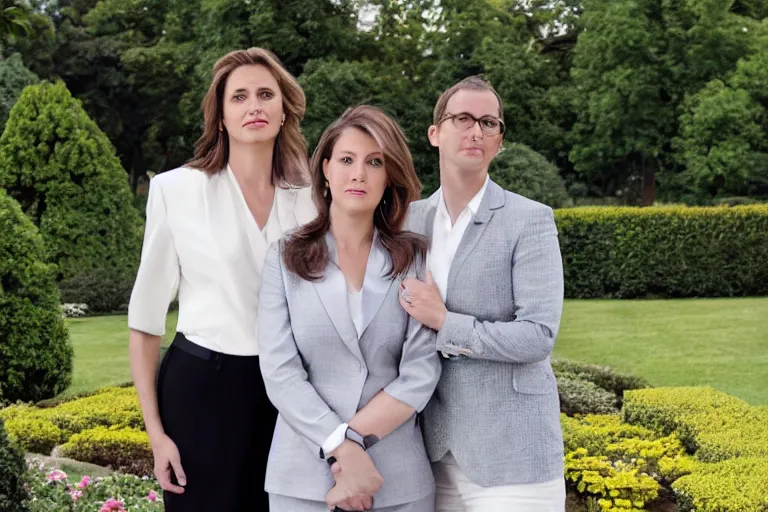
[122, 449]
[40, 429]
[713, 425]
[734, 485]
[728, 435]
[664, 252]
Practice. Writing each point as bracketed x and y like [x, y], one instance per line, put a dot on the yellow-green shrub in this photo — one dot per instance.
[123, 449]
[736, 485]
[620, 486]
[34, 434]
[664, 252]
[662, 457]
[110, 407]
[595, 432]
[36, 428]
[712, 424]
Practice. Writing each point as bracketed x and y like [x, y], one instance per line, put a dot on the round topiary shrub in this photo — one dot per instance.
[12, 469]
[35, 353]
[578, 396]
[62, 169]
[523, 171]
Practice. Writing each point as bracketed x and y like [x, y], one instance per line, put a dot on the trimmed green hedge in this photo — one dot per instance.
[628, 253]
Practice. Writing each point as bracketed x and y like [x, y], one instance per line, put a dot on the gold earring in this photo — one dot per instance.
[283, 121]
[327, 187]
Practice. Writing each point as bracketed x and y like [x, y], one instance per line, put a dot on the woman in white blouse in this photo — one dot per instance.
[209, 225]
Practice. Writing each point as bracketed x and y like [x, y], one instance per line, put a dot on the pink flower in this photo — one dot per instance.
[56, 475]
[75, 494]
[85, 482]
[152, 495]
[112, 505]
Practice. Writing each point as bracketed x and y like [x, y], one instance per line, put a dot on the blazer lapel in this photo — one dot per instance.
[332, 291]
[376, 284]
[429, 218]
[493, 200]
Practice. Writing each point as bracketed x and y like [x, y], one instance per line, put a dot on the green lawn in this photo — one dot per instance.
[717, 342]
[101, 350]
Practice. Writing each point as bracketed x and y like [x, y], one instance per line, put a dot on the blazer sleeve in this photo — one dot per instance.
[537, 284]
[420, 367]
[285, 378]
[157, 279]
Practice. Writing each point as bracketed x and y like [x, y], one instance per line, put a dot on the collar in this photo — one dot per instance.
[473, 205]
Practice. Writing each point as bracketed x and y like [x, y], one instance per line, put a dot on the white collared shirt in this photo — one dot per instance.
[201, 240]
[446, 237]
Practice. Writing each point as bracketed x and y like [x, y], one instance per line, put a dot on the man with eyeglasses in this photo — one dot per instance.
[494, 294]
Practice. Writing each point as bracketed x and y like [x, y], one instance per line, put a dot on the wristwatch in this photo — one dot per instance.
[346, 432]
[364, 441]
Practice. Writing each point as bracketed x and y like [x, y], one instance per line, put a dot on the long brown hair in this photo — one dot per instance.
[289, 161]
[306, 254]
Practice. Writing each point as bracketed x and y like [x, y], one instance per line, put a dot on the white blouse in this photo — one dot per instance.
[202, 241]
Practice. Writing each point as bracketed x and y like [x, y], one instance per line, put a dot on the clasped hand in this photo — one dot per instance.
[357, 479]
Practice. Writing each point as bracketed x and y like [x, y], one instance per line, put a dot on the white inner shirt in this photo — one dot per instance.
[446, 237]
[355, 302]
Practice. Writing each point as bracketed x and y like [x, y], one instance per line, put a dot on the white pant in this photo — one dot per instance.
[456, 493]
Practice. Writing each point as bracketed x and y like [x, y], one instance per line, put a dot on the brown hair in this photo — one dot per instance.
[474, 83]
[289, 161]
[306, 254]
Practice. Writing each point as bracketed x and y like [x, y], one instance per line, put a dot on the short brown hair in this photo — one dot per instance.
[289, 162]
[474, 83]
[305, 253]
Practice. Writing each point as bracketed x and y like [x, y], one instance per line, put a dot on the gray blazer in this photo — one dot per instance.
[496, 407]
[318, 374]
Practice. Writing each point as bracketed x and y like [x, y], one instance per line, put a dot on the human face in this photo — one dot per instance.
[467, 150]
[253, 105]
[355, 173]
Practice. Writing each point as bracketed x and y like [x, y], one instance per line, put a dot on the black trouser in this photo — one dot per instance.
[214, 407]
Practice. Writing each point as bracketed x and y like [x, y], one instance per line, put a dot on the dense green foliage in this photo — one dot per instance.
[59, 165]
[632, 100]
[35, 352]
[14, 77]
[12, 469]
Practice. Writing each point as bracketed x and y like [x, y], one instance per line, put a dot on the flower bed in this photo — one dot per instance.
[51, 489]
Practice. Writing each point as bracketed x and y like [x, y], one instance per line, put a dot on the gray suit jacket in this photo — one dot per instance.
[496, 407]
[318, 375]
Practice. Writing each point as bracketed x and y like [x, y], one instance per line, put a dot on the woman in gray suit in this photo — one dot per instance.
[345, 366]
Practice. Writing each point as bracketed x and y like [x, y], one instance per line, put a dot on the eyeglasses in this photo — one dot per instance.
[489, 125]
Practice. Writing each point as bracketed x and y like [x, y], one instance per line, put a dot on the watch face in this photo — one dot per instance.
[370, 440]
